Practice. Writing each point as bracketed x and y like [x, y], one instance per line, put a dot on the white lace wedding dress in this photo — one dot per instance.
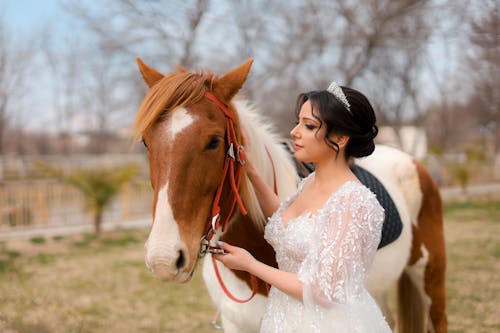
[331, 251]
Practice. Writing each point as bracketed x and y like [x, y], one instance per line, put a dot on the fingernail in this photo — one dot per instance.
[220, 243]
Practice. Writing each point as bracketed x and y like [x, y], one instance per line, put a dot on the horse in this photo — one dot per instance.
[191, 124]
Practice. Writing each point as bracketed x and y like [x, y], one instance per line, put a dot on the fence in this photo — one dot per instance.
[29, 200]
[48, 203]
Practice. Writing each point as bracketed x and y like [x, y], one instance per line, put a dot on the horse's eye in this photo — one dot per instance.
[144, 143]
[213, 143]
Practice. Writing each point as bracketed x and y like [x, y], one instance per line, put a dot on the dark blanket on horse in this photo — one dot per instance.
[392, 223]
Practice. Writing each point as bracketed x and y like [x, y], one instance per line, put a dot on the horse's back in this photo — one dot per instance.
[397, 171]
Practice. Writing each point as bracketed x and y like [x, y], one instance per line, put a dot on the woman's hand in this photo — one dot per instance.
[235, 257]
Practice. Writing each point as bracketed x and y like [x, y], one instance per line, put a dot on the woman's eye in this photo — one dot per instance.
[310, 127]
[213, 143]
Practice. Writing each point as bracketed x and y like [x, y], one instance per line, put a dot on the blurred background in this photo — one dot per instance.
[69, 90]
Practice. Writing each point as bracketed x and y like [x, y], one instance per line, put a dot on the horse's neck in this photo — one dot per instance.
[269, 158]
[267, 151]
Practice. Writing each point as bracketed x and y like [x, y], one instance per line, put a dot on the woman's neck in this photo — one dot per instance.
[332, 173]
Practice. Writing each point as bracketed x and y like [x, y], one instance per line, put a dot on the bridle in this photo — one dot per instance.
[234, 161]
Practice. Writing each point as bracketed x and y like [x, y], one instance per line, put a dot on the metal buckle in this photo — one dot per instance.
[230, 151]
[239, 152]
[204, 246]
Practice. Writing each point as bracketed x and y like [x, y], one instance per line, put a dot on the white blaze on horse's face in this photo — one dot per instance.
[166, 253]
[181, 119]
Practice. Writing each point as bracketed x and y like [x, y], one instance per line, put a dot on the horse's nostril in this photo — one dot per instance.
[180, 260]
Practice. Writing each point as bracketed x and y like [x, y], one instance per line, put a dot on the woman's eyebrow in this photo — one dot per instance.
[310, 119]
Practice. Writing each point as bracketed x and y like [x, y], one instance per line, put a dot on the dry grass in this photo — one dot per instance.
[84, 284]
[473, 284]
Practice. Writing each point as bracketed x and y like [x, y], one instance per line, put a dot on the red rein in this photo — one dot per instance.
[231, 168]
[233, 163]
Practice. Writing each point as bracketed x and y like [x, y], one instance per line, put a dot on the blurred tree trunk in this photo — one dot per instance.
[485, 69]
[98, 221]
[66, 69]
[16, 57]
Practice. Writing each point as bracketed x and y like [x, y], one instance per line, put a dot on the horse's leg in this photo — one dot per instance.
[229, 326]
[387, 267]
[430, 222]
[424, 276]
[236, 317]
[384, 307]
[390, 261]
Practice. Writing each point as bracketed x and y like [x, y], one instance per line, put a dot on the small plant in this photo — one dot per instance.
[462, 175]
[121, 241]
[13, 254]
[99, 187]
[38, 240]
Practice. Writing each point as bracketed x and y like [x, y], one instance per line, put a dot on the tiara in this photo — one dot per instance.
[335, 89]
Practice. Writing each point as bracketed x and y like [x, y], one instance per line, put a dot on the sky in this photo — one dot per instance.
[26, 16]
[23, 17]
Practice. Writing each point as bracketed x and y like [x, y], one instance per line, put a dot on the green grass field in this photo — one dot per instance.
[88, 284]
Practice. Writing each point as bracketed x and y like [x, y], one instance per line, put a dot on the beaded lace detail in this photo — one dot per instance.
[331, 251]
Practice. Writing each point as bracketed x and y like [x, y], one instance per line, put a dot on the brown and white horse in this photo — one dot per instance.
[188, 121]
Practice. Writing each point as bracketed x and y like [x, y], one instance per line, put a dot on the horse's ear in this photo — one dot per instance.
[150, 75]
[230, 83]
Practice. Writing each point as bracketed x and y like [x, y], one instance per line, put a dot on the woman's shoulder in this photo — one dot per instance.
[360, 196]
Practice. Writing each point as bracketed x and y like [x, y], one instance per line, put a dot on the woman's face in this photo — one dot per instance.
[309, 143]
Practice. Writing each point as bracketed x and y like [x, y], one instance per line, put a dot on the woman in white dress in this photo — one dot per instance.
[325, 235]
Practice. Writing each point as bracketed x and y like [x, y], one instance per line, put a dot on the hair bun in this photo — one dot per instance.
[362, 145]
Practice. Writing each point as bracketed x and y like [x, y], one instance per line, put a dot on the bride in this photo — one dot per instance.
[326, 234]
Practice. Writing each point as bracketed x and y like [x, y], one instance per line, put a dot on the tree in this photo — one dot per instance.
[484, 62]
[98, 186]
[376, 46]
[15, 61]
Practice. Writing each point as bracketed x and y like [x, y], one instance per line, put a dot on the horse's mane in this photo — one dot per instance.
[175, 90]
[263, 144]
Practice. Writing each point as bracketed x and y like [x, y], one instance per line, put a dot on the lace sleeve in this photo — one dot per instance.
[348, 233]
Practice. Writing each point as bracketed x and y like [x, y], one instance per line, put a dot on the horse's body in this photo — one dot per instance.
[186, 156]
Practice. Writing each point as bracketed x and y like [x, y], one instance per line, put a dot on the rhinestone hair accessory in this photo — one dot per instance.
[335, 89]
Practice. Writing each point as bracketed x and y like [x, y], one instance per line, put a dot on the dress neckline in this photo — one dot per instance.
[309, 214]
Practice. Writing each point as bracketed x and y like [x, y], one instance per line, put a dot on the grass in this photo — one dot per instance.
[89, 284]
[472, 233]
[100, 285]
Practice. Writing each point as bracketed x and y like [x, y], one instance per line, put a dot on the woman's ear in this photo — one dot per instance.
[341, 140]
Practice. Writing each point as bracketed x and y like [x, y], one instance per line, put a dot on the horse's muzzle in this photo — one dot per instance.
[168, 265]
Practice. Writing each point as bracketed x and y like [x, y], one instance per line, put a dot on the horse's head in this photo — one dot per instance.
[185, 136]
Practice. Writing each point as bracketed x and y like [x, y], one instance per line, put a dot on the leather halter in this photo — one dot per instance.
[232, 169]
[235, 153]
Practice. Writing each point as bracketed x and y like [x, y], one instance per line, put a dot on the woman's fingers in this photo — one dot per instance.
[223, 245]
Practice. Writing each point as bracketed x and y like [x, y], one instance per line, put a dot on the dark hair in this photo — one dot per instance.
[358, 123]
